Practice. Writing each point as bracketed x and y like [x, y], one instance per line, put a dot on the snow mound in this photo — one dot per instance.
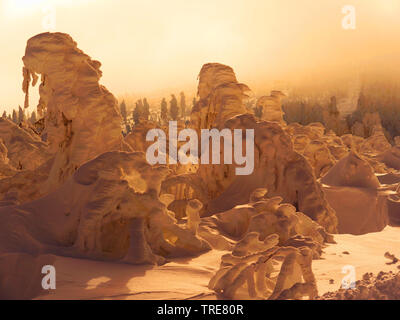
[351, 171]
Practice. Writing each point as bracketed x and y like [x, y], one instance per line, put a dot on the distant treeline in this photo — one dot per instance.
[382, 97]
[161, 114]
[18, 116]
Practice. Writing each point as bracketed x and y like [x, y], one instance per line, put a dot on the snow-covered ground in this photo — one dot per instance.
[188, 278]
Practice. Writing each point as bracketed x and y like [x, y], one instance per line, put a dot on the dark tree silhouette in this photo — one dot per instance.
[122, 108]
[164, 111]
[146, 109]
[128, 128]
[33, 117]
[14, 117]
[21, 115]
[258, 111]
[173, 110]
[137, 112]
[183, 105]
[194, 101]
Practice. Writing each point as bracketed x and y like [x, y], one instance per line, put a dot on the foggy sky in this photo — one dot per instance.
[151, 47]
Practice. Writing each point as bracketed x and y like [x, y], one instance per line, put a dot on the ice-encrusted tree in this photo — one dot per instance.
[193, 102]
[21, 115]
[128, 128]
[33, 118]
[164, 111]
[14, 116]
[183, 104]
[174, 110]
[146, 109]
[122, 108]
[258, 111]
[136, 112]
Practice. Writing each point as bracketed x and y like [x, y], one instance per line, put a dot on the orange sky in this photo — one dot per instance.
[149, 47]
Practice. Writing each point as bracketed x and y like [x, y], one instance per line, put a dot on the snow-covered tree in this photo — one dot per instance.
[164, 110]
[21, 115]
[183, 105]
[122, 108]
[173, 110]
[146, 109]
[33, 118]
[14, 116]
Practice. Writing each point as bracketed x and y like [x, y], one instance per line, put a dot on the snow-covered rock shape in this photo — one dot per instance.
[314, 133]
[250, 276]
[352, 142]
[383, 286]
[352, 171]
[264, 232]
[81, 116]
[376, 143]
[335, 145]
[394, 207]
[313, 130]
[25, 150]
[271, 107]
[21, 275]
[136, 139]
[220, 97]
[193, 215]
[391, 157]
[109, 209]
[353, 190]
[319, 156]
[6, 170]
[266, 217]
[278, 168]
